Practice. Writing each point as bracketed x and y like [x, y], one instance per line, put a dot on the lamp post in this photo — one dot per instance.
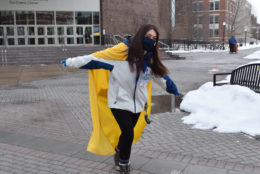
[245, 35]
[224, 27]
[257, 36]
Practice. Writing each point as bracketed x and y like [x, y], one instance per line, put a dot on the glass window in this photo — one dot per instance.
[96, 40]
[21, 41]
[216, 32]
[31, 41]
[40, 31]
[200, 6]
[50, 30]
[51, 41]
[197, 6]
[61, 40]
[41, 41]
[1, 41]
[6, 18]
[216, 19]
[79, 30]
[1, 31]
[24, 17]
[10, 41]
[70, 40]
[83, 17]
[45, 17]
[96, 17]
[69, 30]
[211, 5]
[194, 6]
[96, 30]
[31, 31]
[10, 31]
[200, 19]
[20, 31]
[211, 33]
[64, 18]
[211, 19]
[216, 5]
[79, 40]
[88, 33]
[60, 30]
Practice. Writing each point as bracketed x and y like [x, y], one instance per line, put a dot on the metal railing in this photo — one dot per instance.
[4, 52]
[170, 44]
[164, 46]
[111, 40]
[192, 45]
[4, 57]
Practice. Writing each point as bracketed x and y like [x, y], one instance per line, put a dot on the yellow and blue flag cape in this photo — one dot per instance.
[106, 131]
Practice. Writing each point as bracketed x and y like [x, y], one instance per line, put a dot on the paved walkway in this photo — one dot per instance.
[45, 125]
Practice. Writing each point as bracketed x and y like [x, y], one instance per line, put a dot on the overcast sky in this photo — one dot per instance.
[255, 8]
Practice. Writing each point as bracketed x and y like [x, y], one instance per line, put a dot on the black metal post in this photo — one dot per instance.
[224, 28]
[245, 37]
[257, 36]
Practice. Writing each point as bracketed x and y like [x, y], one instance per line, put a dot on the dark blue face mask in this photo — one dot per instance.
[148, 44]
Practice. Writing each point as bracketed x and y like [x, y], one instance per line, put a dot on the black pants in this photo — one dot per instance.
[232, 47]
[126, 121]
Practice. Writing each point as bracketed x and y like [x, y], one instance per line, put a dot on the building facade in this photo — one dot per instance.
[49, 22]
[255, 29]
[128, 15]
[79, 22]
[204, 20]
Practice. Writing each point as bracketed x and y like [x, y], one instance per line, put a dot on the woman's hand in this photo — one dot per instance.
[63, 62]
[170, 86]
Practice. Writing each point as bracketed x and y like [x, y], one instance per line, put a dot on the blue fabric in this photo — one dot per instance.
[147, 60]
[63, 62]
[148, 44]
[232, 40]
[93, 64]
[170, 86]
[126, 42]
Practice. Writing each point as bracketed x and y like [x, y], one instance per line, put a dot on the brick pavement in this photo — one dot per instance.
[45, 125]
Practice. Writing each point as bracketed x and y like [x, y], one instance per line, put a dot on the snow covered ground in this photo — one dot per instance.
[226, 109]
[255, 55]
[207, 51]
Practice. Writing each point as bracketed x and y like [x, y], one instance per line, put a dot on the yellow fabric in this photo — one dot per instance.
[106, 132]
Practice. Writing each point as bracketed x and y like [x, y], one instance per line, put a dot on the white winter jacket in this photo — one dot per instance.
[126, 91]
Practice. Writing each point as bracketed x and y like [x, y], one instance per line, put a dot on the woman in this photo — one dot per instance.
[120, 92]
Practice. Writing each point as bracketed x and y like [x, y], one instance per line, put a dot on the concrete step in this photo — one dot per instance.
[45, 55]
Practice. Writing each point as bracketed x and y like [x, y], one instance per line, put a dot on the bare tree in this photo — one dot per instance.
[241, 24]
[237, 10]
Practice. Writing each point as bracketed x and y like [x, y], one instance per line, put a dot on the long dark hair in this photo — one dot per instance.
[136, 52]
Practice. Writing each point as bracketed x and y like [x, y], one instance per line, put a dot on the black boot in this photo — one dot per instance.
[124, 168]
[116, 159]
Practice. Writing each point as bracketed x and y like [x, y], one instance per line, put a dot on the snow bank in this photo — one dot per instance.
[228, 108]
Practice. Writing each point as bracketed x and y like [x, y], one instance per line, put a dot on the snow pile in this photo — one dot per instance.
[248, 46]
[228, 109]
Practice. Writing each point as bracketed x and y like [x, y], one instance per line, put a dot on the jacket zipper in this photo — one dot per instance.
[136, 80]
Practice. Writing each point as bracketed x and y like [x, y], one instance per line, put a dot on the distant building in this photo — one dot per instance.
[78, 22]
[127, 17]
[255, 27]
[204, 20]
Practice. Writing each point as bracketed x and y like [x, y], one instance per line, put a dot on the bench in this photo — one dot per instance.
[246, 75]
